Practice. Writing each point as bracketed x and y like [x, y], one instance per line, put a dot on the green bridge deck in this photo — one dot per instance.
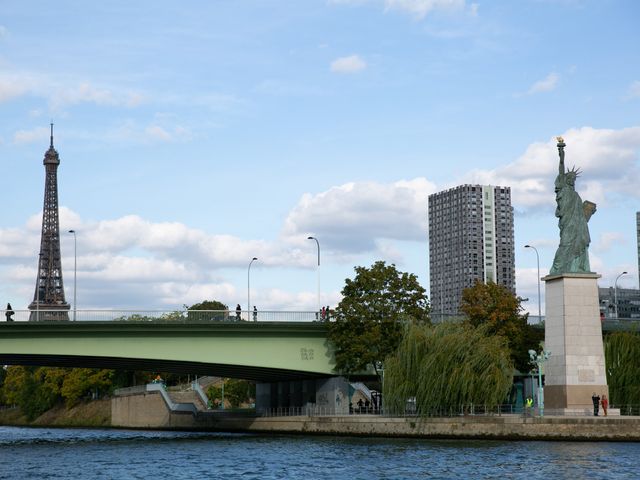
[264, 351]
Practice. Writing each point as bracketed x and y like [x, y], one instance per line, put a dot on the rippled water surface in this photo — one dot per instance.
[120, 454]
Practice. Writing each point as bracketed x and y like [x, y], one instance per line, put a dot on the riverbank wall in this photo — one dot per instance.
[149, 410]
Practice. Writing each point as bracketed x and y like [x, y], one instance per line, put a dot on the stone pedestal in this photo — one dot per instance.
[573, 336]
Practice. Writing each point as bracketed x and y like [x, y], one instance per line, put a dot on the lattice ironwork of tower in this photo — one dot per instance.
[48, 300]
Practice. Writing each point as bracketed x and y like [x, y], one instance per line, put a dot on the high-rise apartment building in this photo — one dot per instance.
[470, 238]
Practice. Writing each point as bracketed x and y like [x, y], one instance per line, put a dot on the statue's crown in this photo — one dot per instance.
[574, 172]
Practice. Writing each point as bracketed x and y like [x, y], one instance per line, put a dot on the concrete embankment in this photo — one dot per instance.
[149, 410]
[504, 427]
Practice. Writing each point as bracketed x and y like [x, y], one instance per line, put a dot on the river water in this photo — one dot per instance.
[35, 453]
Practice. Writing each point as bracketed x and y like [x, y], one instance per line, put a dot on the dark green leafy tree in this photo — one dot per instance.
[622, 359]
[369, 320]
[14, 380]
[218, 311]
[37, 389]
[80, 382]
[236, 392]
[446, 367]
[34, 389]
[500, 310]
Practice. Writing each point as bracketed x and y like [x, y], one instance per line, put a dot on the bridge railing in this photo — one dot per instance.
[164, 316]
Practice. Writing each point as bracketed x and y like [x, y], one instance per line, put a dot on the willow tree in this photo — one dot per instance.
[447, 366]
[622, 358]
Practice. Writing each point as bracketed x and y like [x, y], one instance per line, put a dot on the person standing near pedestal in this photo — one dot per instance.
[596, 404]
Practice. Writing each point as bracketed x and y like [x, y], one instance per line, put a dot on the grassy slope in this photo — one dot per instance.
[90, 414]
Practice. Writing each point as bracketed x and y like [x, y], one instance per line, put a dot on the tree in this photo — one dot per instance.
[219, 311]
[368, 320]
[447, 366]
[500, 310]
[235, 392]
[80, 381]
[622, 358]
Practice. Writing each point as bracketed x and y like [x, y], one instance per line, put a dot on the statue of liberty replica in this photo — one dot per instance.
[573, 331]
[572, 255]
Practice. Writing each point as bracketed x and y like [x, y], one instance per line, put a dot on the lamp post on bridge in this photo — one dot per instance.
[249, 288]
[75, 271]
[538, 262]
[615, 293]
[318, 244]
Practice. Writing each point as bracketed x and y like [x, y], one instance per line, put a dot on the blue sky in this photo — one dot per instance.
[196, 136]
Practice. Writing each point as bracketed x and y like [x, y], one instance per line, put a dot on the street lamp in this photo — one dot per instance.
[249, 287]
[538, 262]
[615, 293]
[75, 271]
[317, 243]
[539, 359]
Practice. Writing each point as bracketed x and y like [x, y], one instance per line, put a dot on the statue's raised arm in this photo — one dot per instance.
[561, 146]
[573, 214]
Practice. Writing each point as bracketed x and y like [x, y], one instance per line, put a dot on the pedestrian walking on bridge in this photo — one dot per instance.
[9, 313]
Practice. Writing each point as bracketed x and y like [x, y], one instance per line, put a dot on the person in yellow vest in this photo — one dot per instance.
[528, 405]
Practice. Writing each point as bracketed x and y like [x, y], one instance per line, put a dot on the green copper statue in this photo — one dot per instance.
[572, 255]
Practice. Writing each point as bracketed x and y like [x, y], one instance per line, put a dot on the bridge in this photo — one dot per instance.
[263, 346]
[263, 351]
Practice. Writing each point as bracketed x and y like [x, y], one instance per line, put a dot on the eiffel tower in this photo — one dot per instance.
[48, 299]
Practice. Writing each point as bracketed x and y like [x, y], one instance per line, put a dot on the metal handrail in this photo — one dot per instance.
[471, 410]
[165, 316]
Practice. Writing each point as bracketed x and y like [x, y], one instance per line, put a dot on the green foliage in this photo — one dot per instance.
[15, 378]
[369, 319]
[81, 381]
[447, 366]
[622, 358]
[235, 392]
[36, 389]
[496, 307]
[165, 317]
[218, 311]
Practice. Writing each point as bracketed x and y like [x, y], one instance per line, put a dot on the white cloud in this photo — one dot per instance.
[12, 87]
[351, 217]
[634, 90]
[418, 9]
[350, 64]
[600, 153]
[131, 131]
[421, 8]
[30, 136]
[607, 241]
[62, 92]
[549, 83]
